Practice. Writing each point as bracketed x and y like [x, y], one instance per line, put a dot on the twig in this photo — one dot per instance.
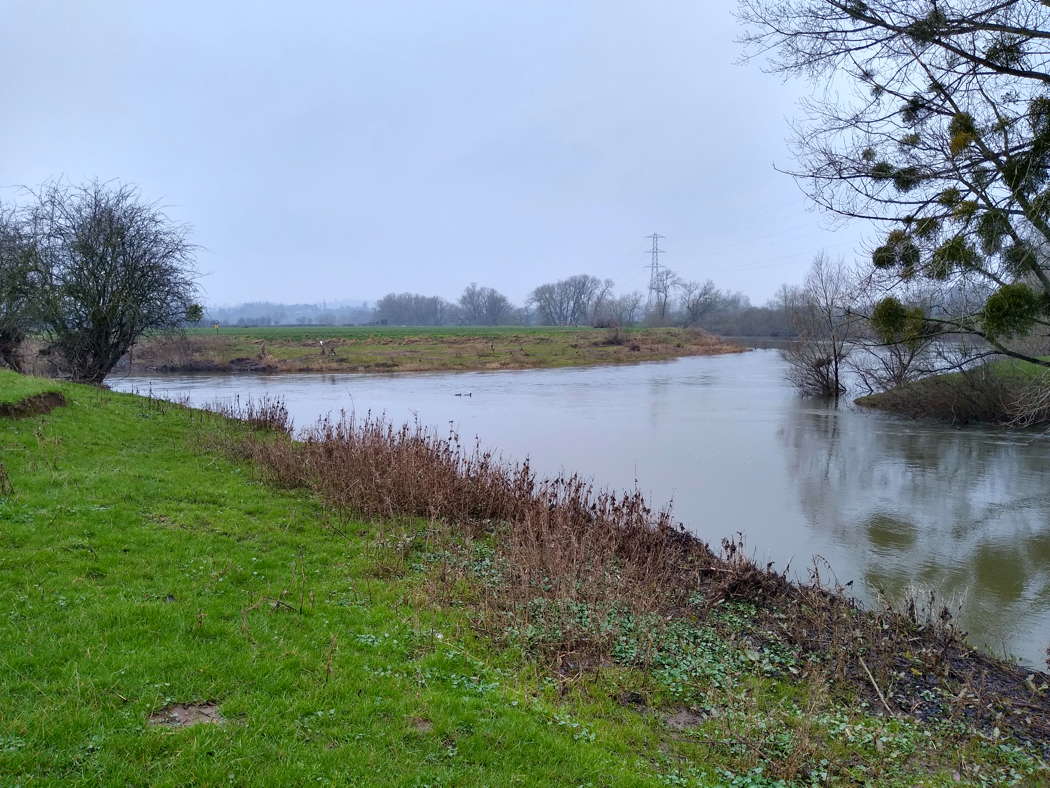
[876, 686]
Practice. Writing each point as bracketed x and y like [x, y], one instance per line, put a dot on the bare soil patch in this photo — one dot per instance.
[35, 405]
[421, 724]
[684, 719]
[182, 715]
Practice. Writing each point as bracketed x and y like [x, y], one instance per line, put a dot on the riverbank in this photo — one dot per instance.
[156, 555]
[1003, 391]
[396, 349]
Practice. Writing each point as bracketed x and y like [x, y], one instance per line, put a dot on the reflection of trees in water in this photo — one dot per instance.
[966, 513]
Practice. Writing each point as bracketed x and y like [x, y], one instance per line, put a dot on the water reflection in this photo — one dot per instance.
[888, 503]
[964, 512]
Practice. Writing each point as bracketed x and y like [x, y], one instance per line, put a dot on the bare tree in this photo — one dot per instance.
[627, 309]
[111, 268]
[484, 306]
[567, 302]
[601, 302]
[413, 309]
[18, 288]
[698, 301]
[820, 314]
[549, 304]
[663, 285]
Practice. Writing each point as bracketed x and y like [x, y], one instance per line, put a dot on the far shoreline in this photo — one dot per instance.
[392, 350]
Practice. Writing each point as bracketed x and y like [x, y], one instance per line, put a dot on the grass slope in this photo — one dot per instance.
[139, 569]
[135, 572]
[15, 388]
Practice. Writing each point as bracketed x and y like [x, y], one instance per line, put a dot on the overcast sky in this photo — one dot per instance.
[342, 150]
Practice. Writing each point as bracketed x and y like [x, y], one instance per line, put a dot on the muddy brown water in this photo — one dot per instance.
[888, 504]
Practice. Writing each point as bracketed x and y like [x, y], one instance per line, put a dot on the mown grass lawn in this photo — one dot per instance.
[136, 571]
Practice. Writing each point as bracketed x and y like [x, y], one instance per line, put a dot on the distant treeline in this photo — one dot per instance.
[266, 313]
[580, 300]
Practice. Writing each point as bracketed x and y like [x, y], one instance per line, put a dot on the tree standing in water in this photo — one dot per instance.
[819, 313]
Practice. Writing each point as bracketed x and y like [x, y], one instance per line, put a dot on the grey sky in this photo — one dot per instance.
[335, 150]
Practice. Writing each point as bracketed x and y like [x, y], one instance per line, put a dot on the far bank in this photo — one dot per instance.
[277, 349]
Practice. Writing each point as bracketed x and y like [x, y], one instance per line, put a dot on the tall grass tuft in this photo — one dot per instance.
[559, 535]
[266, 413]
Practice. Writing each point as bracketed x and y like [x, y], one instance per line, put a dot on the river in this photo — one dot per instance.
[887, 504]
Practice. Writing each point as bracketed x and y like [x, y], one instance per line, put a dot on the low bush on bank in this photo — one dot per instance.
[585, 580]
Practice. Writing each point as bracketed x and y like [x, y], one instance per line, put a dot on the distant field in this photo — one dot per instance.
[1012, 367]
[413, 349]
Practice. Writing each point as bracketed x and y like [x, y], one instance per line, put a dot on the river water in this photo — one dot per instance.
[889, 504]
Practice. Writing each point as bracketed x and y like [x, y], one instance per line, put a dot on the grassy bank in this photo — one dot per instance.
[393, 349]
[1003, 391]
[154, 555]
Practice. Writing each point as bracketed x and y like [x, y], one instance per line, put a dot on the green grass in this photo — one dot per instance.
[139, 569]
[1013, 367]
[1010, 368]
[15, 388]
[398, 348]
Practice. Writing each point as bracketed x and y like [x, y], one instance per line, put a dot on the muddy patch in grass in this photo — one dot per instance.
[182, 715]
[421, 724]
[632, 700]
[36, 405]
[684, 719]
